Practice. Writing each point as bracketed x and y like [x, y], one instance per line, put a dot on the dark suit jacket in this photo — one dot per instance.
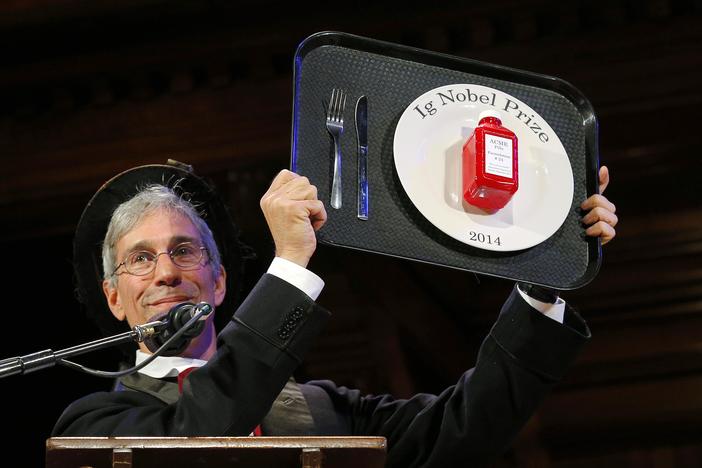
[467, 424]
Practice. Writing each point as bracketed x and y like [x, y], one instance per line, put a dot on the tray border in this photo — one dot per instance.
[466, 65]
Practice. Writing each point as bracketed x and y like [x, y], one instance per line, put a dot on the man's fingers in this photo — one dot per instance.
[600, 214]
[282, 178]
[289, 186]
[604, 178]
[598, 200]
[292, 186]
[602, 230]
[299, 189]
[317, 213]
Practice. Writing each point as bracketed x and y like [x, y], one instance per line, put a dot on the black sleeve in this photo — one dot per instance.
[472, 422]
[257, 352]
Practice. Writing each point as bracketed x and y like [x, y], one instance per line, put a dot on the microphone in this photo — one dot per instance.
[172, 322]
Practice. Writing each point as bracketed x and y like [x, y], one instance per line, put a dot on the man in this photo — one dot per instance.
[158, 253]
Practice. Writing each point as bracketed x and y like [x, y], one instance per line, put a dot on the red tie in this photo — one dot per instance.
[181, 378]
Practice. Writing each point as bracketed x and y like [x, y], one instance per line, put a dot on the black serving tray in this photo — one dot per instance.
[392, 76]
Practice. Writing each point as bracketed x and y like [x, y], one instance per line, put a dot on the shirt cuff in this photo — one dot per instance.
[302, 278]
[552, 311]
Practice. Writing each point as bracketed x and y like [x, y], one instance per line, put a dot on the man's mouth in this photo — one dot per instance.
[161, 307]
[170, 300]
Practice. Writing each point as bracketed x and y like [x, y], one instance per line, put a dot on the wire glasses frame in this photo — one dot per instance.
[185, 256]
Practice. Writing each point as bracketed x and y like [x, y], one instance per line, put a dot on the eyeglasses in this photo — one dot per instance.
[186, 256]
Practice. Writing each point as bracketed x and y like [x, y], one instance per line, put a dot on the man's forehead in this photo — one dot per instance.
[159, 229]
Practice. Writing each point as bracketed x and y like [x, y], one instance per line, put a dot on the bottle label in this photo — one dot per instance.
[498, 156]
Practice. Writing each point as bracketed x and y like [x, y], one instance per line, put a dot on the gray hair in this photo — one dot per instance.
[147, 201]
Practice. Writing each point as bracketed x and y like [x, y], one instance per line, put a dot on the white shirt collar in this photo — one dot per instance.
[166, 366]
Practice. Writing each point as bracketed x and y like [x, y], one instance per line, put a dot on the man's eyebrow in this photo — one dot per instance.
[141, 245]
[175, 240]
[172, 242]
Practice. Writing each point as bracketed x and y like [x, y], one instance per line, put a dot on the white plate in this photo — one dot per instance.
[427, 147]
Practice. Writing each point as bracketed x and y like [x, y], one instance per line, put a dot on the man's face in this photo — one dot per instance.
[141, 299]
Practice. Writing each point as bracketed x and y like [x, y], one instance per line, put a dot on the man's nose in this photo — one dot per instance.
[166, 273]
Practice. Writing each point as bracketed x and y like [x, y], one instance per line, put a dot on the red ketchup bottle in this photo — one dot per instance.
[490, 174]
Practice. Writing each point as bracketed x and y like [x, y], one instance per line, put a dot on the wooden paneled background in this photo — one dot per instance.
[89, 89]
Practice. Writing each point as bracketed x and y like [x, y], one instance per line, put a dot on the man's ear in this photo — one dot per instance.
[220, 286]
[113, 300]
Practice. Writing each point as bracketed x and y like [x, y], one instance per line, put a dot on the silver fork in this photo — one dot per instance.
[335, 126]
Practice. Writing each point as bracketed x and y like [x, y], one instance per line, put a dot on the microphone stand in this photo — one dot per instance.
[48, 358]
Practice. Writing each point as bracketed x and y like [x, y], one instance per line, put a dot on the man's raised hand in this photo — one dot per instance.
[293, 214]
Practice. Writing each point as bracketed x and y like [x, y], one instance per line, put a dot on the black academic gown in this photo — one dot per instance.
[468, 424]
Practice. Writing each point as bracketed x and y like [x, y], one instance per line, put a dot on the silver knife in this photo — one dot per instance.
[362, 135]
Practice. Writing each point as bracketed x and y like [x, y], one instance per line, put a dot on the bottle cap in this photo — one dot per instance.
[489, 113]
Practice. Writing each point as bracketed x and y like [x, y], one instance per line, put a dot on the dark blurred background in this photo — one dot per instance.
[89, 89]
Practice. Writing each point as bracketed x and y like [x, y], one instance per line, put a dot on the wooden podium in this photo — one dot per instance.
[215, 452]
